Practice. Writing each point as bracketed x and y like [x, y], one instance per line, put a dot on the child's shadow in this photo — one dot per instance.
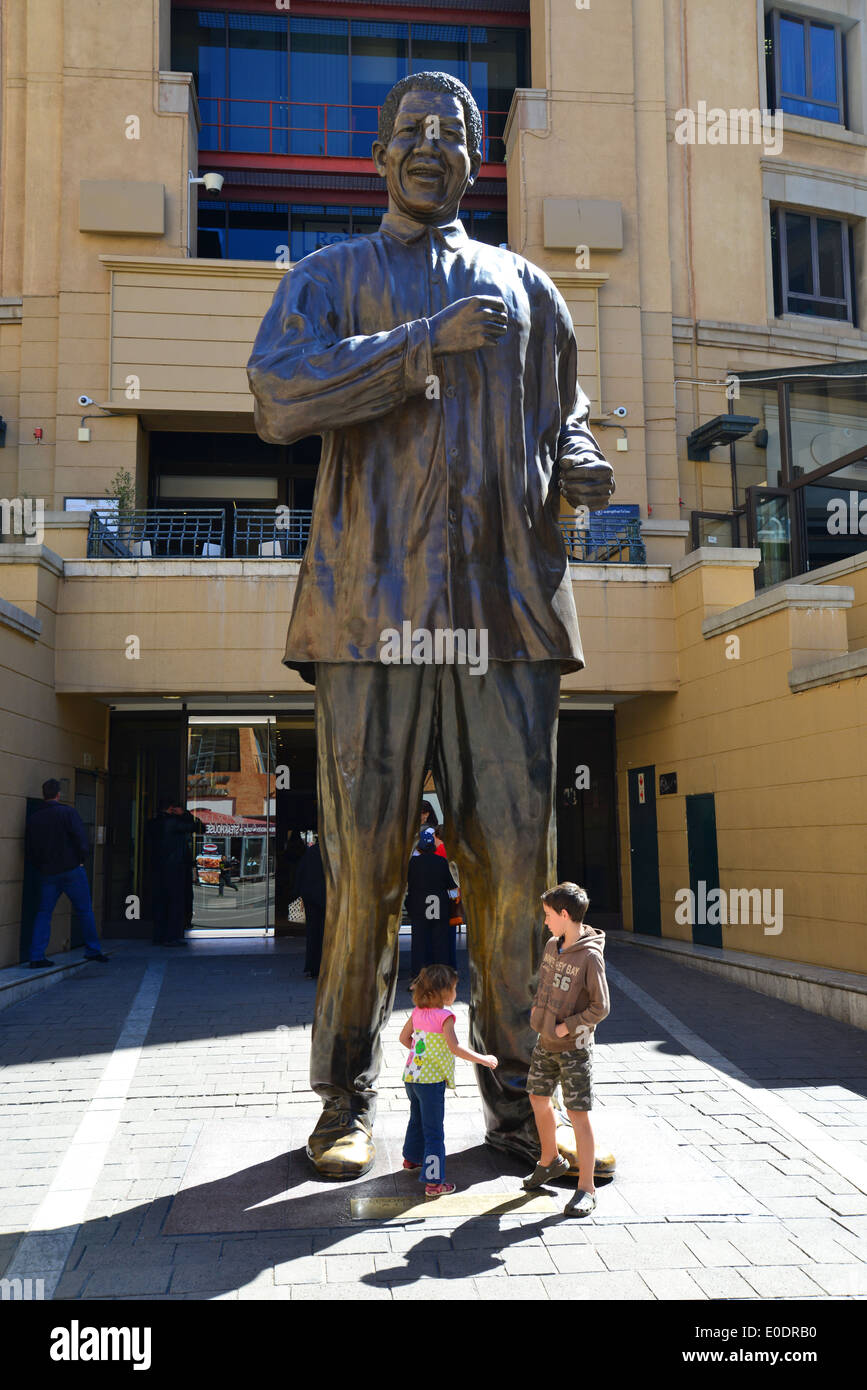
[434, 1256]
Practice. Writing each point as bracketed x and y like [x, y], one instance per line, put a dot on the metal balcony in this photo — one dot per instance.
[271, 533]
[166, 533]
[280, 533]
[264, 125]
[606, 541]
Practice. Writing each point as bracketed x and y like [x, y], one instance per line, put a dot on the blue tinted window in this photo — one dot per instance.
[257, 109]
[319, 81]
[810, 82]
[823, 62]
[793, 60]
[441, 48]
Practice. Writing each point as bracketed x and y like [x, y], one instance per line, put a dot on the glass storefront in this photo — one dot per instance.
[231, 772]
[250, 787]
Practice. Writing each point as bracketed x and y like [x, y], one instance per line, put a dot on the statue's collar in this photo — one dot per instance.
[407, 229]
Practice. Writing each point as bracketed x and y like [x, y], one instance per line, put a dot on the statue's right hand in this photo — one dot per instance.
[469, 324]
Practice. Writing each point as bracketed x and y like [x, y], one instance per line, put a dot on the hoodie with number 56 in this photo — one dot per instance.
[572, 990]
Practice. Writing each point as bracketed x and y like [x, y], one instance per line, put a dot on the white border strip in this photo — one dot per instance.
[44, 1249]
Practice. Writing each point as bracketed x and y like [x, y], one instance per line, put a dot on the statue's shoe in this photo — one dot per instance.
[523, 1142]
[341, 1146]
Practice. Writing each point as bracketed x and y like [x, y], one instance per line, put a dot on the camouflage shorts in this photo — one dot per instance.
[573, 1070]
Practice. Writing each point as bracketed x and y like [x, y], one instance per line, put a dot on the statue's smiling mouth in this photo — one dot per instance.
[425, 171]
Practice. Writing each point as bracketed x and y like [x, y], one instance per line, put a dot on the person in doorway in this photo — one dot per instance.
[571, 999]
[56, 845]
[431, 895]
[429, 822]
[227, 868]
[171, 849]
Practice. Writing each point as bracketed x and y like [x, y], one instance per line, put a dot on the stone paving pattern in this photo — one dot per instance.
[713, 1200]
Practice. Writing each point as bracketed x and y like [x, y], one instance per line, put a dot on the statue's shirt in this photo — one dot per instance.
[436, 500]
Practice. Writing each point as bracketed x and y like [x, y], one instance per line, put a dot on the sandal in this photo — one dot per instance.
[439, 1189]
[411, 1167]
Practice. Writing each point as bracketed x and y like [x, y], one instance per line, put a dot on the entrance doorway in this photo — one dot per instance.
[230, 793]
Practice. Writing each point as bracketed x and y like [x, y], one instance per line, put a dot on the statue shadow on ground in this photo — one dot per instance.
[464, 1248]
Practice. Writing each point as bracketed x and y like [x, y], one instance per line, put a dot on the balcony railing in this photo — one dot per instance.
[271, 533]
[159, 534]
[280, 533]
[606, 541]
[270, 126]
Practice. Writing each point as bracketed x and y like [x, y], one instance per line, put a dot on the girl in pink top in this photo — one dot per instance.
[430, 1067]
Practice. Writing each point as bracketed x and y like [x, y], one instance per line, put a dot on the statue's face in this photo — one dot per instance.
[427, 164]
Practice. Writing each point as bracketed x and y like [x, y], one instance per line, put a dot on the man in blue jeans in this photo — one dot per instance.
[56, 845]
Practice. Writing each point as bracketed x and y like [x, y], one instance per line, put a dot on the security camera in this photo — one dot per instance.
[620, 411]
[213, 184]
[85, 400]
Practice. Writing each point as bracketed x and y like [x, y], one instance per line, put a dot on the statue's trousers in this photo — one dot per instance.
[490, 740]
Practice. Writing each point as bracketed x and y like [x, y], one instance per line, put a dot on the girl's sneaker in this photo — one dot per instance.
[439, 1189]
[411, 1167]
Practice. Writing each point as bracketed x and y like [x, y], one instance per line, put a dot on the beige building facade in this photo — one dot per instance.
[693, 178]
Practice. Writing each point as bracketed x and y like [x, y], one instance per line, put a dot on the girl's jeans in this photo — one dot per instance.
[424, 1142]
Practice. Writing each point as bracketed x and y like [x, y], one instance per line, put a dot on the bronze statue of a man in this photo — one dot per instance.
[441, 374]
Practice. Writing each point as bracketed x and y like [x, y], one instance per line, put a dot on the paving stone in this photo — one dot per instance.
[713, 1253]
[308, 1269]
[648, 1255]
[353, 1242]
[342, 1269]
[436, 1290]
[723, 1283]
[341, 1293]
[768, 1250]
[841, 1280]
[576, 1259]
[671, 1284]
[139, 1278]
[519, 1260]
[625, 1285]
[781, 1281]
[395, 1269]
[519, 1287]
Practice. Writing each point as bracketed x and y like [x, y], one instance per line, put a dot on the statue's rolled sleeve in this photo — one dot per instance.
[307, 379]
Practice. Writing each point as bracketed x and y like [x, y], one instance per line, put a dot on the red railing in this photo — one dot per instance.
[284, 133]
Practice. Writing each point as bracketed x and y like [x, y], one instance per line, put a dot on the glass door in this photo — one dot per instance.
[230, 791]
[770, 529]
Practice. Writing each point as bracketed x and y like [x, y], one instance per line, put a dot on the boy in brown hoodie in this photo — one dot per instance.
[571, 999]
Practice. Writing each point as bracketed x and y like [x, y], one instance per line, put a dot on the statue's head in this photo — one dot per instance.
[429, 146]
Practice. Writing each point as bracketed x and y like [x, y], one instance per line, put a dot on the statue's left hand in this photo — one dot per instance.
[588, 485]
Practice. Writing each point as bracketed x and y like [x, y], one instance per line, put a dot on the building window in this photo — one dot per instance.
[244, 231]
[271, 84]
[806, 67]
[812, 262]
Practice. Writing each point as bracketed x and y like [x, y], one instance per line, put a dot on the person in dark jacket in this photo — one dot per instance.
[170, 835]
[431, 894]
[310, 887]
[56, 845]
